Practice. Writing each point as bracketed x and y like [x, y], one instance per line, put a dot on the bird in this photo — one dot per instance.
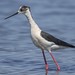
[42, 39]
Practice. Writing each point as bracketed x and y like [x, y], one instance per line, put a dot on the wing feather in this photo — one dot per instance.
[51, 38]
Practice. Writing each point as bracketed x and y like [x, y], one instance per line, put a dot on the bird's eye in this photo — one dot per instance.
[21, 10]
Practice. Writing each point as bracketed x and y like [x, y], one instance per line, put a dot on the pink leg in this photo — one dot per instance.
[58, 67]
[46, 65]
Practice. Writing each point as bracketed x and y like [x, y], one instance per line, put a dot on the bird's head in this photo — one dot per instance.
[22, 9]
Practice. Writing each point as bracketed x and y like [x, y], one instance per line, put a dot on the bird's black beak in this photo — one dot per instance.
[12, 15]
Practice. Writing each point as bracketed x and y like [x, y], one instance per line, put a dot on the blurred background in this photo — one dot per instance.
[18, 55]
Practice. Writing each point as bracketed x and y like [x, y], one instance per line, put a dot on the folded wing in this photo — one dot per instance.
[51, 38]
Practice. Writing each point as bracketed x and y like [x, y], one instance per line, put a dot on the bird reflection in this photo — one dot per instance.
[55, 73]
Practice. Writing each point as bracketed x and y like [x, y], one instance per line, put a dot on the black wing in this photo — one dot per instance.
[51, 38]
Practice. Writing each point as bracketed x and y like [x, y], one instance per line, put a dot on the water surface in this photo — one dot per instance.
[18, 55]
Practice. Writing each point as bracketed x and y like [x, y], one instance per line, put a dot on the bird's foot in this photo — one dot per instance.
[46, 67]
[58, 68]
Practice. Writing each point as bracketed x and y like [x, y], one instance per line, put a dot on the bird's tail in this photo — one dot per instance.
[72, 46]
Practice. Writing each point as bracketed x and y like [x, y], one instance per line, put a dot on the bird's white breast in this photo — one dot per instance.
[39, 41]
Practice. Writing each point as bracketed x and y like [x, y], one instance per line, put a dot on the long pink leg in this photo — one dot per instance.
[46, 65]
[58, 67]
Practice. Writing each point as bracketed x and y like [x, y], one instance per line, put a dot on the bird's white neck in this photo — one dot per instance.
[31, 21]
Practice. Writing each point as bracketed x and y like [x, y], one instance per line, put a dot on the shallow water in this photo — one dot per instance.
[18, 55]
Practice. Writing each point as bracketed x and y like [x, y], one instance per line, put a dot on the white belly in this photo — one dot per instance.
[40, 42]
[35, 41]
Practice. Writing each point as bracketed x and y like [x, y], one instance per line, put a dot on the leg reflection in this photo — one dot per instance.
[52, 72]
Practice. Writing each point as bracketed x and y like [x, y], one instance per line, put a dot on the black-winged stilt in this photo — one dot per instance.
[41, 39]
